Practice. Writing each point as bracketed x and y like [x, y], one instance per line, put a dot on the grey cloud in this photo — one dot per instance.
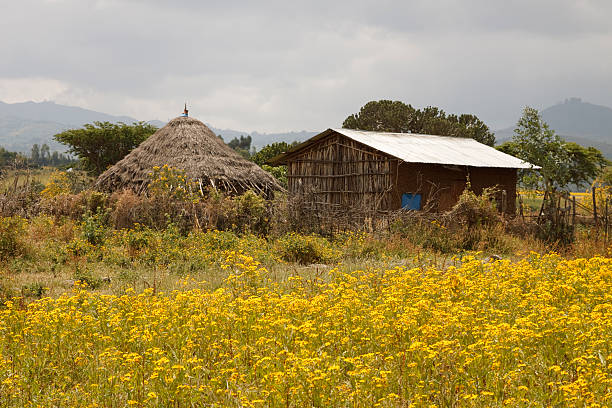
[279, 65]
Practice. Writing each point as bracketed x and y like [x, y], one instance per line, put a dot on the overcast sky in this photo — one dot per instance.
[282, 65]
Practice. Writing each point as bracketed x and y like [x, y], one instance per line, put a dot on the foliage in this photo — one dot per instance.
[534, 332]
[396, 116]
[12, 159]
[605, 178]
[242, 145]
[35, 290]
[306, 249]
[59, 184]
[94, 229]
[102, 144]
[12, 242]
[171, 183]
[42, 156]
[270, 151]
[382, 116]
[249, 211]
[561, 163]
[603, 193]
[475, 210]
[62, 183]
[278, 172]
[587, 163]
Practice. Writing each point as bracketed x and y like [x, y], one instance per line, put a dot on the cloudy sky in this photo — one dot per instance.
[283, 65]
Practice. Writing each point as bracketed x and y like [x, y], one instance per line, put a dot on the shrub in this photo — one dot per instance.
[35, 290]
[170, 182]
[12, 242]
[59, 184]
[248, 212]
[306, 249]
[93, 229]
[85, 277]
[474, 210]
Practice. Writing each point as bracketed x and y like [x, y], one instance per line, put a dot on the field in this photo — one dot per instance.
[174, 300]
[95, 316]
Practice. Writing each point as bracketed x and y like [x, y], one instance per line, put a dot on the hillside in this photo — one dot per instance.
[577, 121]
[27, 123]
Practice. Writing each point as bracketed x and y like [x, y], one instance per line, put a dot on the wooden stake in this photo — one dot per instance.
[595, 206]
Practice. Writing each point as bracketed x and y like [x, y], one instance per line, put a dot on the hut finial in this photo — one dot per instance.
[185, 111]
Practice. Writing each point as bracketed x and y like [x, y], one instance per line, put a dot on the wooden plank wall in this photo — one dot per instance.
[337, 174]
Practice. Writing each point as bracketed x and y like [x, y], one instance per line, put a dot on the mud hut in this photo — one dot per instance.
[342, 171]
[186, 143]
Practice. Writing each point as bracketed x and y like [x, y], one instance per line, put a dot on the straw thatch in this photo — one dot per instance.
[188, 144]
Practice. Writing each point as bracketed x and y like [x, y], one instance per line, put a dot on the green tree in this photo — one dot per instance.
[562, 163]
[586, 164]
[102, 144]
[35, 154]
[382, 116]
[262, 157]
[12, 159]
[45, 154]
[272, 150]
[606, 176]
[396, 116]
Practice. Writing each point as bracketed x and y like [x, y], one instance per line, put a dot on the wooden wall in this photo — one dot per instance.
[337, 174]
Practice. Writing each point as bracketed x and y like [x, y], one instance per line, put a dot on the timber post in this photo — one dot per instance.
[595, 205]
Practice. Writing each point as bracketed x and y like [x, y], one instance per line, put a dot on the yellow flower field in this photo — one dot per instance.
[533, 333]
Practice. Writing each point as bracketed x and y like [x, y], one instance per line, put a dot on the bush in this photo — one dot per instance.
[35, 290]
[12, 242]
[59, 184]
[85, 277]
[93, 229]
[306, 249]
[248, 212]
[475, 210]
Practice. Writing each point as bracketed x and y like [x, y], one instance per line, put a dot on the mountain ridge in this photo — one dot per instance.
[26, 123]
[576, 121]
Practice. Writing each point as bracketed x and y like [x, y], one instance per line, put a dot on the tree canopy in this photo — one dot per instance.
[11, 158]
[102, 144]
[269, 151]
[242, 145]
[396, 116]
[272, 150]
[42, 156]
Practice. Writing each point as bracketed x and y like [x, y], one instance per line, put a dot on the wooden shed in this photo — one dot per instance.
[342, 170]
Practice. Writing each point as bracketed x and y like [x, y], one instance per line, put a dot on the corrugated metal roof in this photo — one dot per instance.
[417, 148]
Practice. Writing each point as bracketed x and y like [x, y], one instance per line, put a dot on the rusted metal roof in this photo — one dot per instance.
[417, 148]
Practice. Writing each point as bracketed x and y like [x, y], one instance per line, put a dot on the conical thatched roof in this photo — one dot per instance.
[188, 144]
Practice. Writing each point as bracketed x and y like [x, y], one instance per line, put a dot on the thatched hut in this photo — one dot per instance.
[186, 143]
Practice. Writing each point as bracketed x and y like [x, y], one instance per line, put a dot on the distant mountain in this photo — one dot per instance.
[576, 121]
[262, 139]
[27, 123]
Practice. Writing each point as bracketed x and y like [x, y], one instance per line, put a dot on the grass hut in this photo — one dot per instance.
[186, 143]
[341, 171]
